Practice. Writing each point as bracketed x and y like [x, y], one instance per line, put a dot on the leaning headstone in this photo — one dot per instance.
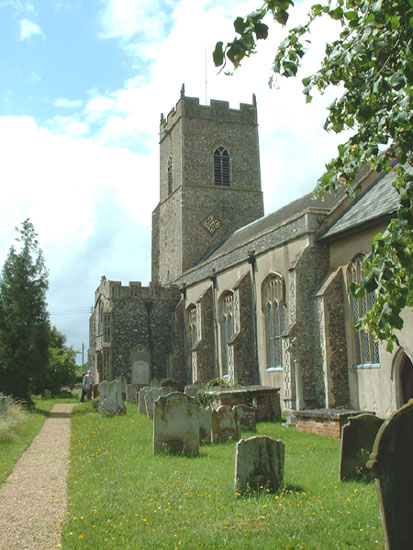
[357, 439]
[247, 417]
[391, 465]
[110, 398]
[224, 424]
[141, 399]
[259, 464]
[176, 424]
[47, 394]
[205, 424]
[151, 396]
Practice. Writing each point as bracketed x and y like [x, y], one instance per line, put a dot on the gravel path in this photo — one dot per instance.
[33, 497]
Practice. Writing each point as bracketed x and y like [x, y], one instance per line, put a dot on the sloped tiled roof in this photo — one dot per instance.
[271, 221]
[380, 200]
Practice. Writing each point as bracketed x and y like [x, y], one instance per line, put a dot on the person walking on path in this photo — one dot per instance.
[33, 497]
[87, 386]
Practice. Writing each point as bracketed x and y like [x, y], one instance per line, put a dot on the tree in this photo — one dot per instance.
[61, 367]
[372, 61]
[24, 320]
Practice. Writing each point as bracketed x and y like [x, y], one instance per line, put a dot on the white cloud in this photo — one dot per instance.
[67, 103]
[28, 29]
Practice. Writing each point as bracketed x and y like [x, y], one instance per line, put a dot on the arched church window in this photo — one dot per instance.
[366, 348]
[169, 175]
[273, 305]
[227, 329]
[221, 167]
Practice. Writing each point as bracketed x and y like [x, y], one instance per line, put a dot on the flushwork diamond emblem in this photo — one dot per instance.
[211, 224]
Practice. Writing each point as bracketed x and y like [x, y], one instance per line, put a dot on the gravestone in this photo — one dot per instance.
[247, 417]
[357, 439]
[140, 372]
[259, 464]
[392, 465]
[169, 383]
[132, 392]
[193, 389]
[141, 399]
[205, 424]
[176, 424]
[151, 396]
[5, 403]
[224, 424]
[110, 398]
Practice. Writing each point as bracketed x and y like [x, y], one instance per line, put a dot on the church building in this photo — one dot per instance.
[253, 299]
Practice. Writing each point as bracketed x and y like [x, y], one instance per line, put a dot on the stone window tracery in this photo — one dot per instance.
[274, 309]
[106, 327]
[365, 348]
[227, 330]
[221, 167]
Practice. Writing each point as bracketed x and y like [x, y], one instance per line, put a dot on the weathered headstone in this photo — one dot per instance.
[151, 396]
[392, 466]
[247, 417]
[132, 392]
[110, 398]
[357, 439]
[259, 464]
[141, 399]
[5, 403]
[192, 389]
[176, 424]
[224, 424]
[169, 383]
[140, 372]
[205, 424]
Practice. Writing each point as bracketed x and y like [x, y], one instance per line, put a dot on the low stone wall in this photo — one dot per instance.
[265, 399]
[323, 421]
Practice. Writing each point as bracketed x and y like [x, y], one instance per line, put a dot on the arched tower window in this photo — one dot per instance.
[227, 328]
[366, 348]
[273, 305]
[221, 167]
[169, 175]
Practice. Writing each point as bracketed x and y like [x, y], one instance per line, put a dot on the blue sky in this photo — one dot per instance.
[82, 87]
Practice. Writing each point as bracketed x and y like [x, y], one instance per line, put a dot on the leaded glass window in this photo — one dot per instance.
[274, 313]
[366, 348]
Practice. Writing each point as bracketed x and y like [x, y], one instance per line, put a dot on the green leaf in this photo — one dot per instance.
[218, 54]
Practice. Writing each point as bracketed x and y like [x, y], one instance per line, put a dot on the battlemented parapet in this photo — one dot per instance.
[190, 107]
[130, 330]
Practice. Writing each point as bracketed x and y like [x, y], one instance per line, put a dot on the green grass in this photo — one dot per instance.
[121, 496]
[18, 430]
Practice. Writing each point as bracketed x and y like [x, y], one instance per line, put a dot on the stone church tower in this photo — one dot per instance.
[210, 182]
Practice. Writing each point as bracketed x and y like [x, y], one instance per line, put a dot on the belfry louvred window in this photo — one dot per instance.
[221, 167]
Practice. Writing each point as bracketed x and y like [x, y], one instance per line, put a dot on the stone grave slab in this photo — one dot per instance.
[132, 392]
[259, 464]
[391, 463]
[205, 424]
[357, 439]
[176, 424]
[151, 396]
[141, 399]
[110, 398]
[224, 424]
[247, 417]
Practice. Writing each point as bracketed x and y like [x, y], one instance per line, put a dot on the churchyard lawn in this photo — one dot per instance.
[18, 430]
[121, 496]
